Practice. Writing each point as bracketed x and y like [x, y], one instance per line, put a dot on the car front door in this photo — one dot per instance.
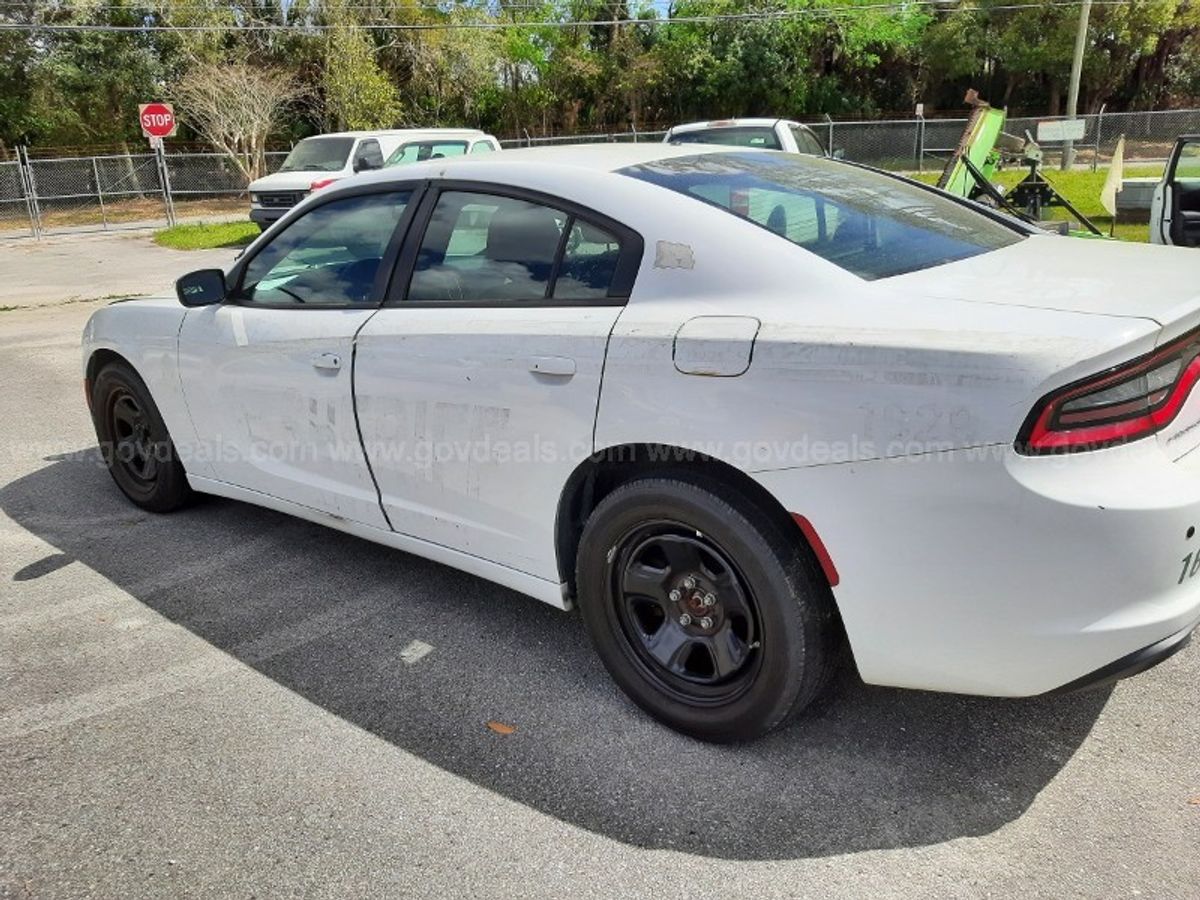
[478, 381]
[1177, 211]
[267, 374]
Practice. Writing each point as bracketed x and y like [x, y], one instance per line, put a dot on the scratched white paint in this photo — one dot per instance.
[884, 412]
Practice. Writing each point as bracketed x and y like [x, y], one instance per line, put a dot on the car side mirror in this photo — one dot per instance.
[204, 287]
[363, 164]
[839, 153]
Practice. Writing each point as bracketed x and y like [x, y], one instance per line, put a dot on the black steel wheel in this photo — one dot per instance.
[134, 441]
[708, 612]
[686, 611]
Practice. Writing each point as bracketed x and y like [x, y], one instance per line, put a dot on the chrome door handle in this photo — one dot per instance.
[329, 362]
[552, 365]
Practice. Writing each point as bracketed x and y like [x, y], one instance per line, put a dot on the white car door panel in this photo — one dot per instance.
[268, 374]
[475, 418]
[477, 384]
[269, 390]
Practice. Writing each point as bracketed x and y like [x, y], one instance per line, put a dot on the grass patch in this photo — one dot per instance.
[207, 235]
[1082, 187]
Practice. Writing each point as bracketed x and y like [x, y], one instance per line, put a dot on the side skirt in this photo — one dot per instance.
[539, 588]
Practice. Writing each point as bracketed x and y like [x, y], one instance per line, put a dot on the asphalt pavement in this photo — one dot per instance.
[228, 702]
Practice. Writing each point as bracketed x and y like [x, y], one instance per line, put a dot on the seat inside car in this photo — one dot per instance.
[522, 243]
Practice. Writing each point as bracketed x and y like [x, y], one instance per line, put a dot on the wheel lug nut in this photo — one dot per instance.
[710, 600]
[685, 619]
[689, 582]
[706, 622]
[675, 596]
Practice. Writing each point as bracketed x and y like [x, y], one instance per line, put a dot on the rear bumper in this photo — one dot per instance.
[995, 574]
[1132, 664]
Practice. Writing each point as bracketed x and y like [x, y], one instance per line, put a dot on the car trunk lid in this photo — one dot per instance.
[1097, 277]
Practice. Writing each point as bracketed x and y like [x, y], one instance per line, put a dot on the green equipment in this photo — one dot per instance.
[983, 149]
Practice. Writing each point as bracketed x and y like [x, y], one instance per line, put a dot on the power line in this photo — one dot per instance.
[498, 24]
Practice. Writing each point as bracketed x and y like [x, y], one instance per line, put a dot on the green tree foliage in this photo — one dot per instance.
[548, 66]
[358, 93]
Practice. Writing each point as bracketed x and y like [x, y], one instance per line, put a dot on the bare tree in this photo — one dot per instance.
[236, 107]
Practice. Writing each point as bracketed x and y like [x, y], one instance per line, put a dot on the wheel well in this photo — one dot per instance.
[100, 359]
[603, 472]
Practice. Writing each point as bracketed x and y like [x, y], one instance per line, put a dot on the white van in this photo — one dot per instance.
[317, 161]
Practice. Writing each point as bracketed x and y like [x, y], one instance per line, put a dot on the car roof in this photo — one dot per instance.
[731, 123]
[593, 157]
[403, 132]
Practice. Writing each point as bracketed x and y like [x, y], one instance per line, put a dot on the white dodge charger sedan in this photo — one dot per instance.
[754, 413]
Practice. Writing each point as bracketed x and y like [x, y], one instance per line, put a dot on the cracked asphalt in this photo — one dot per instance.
[225, 702]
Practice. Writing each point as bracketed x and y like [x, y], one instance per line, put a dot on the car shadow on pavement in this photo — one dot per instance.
[329, 616]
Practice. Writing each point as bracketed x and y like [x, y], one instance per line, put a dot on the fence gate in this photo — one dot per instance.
[16, 203]
[95, 192]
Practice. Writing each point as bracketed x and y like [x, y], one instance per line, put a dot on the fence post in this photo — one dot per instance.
[920, 143]
[1099, 131]
[164, 179]
[99, 193]
[829, 143]
[30, 186]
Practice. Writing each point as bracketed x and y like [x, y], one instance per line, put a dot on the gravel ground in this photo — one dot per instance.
[216, 703]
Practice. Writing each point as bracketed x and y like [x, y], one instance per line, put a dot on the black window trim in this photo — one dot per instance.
[387, 265]
[629, 260]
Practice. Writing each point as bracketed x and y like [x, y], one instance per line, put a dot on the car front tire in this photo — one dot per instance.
[134, 441]
[706, 612]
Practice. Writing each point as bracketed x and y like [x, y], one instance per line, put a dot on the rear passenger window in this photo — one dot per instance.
[481, 248]
[588, 265]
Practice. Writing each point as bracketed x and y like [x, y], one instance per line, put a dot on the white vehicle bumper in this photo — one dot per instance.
[986, 572]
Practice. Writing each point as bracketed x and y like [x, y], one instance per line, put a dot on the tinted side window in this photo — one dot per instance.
[589, 263]
[369, 155]
[482, 147]
[327, 257]
[481, 247]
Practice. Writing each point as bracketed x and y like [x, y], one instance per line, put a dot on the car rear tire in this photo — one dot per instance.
[707, 613]
[134, 442]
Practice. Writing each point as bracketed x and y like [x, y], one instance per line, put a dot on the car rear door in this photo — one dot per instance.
[267, 375]
[478, 381]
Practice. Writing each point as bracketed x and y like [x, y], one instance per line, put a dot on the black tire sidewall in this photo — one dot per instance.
[169, 489]
[790, 612]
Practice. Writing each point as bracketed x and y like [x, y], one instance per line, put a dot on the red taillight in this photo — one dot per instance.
[320, 183]
[1123, 404]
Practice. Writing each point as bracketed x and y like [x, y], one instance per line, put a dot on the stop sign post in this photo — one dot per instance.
[157, 120]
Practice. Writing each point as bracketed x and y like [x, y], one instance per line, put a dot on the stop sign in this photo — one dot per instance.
[157, 119]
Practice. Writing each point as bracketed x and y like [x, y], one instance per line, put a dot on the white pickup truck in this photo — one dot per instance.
[1175, 213]
[768, 134]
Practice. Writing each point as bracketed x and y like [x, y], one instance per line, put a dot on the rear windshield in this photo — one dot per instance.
[867, 223]
[734, 136]
[318, 154]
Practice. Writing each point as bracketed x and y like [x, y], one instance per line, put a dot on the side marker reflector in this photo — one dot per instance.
[818, 546]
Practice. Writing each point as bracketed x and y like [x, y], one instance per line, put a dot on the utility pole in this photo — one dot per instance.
[1085, 13]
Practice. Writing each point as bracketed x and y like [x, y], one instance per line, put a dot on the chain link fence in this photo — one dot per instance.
[115, 190]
